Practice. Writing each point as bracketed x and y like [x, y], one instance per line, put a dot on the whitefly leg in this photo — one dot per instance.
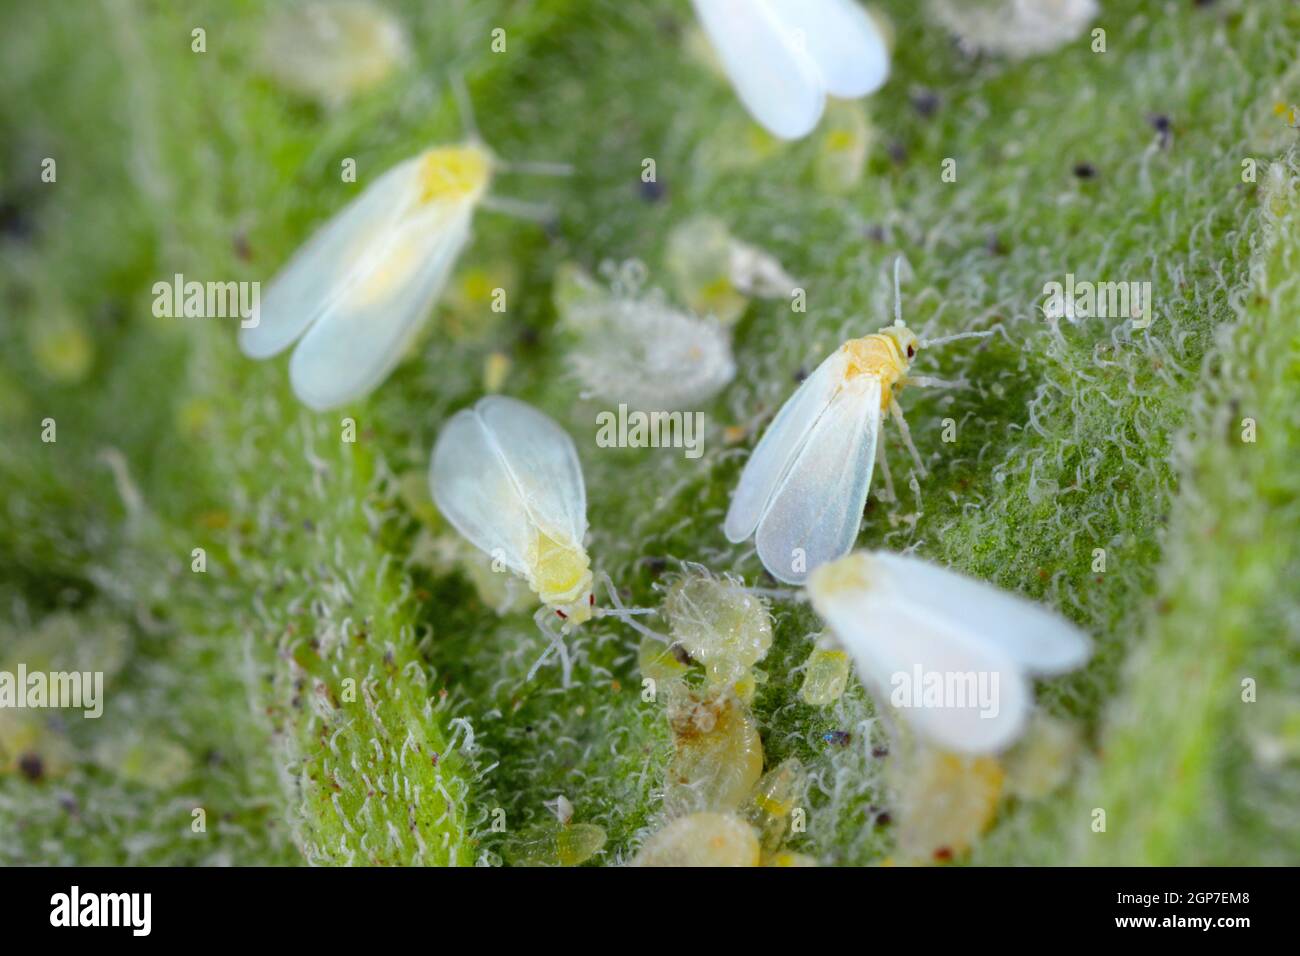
[544, 619]
[897, 412]
[627, 614]
[882, 459]
[929, 381]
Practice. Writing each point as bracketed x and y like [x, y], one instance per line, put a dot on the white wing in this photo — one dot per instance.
[353, 346]
[503, 469]
[844, 42]
[780, 446]
[815, 514]
[544, 463]
[890, 637]
[323, 267]
[1038, 640]
[775, 78]
[475, 491]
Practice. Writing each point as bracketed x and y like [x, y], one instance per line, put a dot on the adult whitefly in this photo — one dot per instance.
[952, 656]
[802, 492]
[785, 57]
[353, 296]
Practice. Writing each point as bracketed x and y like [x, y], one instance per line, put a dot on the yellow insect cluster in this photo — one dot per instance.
[722, 809]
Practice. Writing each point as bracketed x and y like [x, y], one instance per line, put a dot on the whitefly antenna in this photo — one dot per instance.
[533, 168]
[898, 298]
[944, 340]
[464, 106]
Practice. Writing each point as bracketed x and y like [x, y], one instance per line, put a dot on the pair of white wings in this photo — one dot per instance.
[356, 292]
[502, 471]
[785, 56]
[804, 487]
[905, 612]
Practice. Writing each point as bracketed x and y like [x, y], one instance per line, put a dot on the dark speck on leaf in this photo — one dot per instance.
[897, 152]
[880, 752]
[683, 657]
[670, 27]
[925, 102]
[32, 767]
[1164, 127]
[800, 374]
[652, 191]
[993, 243]
[528, 337]
[943, 854]
[876, 232]
[1085, 170]
[884, 820]
[839, 738]
[242, 249]
[14, 222]
[655, 565]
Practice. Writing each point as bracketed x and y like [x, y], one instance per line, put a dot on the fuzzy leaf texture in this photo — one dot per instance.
[327, 694]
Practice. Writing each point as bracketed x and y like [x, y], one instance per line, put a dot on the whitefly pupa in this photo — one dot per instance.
[633, 346]
[332, 50]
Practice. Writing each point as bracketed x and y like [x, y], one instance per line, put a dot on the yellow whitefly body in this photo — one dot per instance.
[886, 355]
[718, 754]
[945, 802]
[445, 174]
[702, 839]
[845, 138]
[1042, 760]
[560, 573]
[558, 844]
[826, 674]
[332, 50]
[659, 662]
[578, 842]
[773, 800]
[455, 173]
